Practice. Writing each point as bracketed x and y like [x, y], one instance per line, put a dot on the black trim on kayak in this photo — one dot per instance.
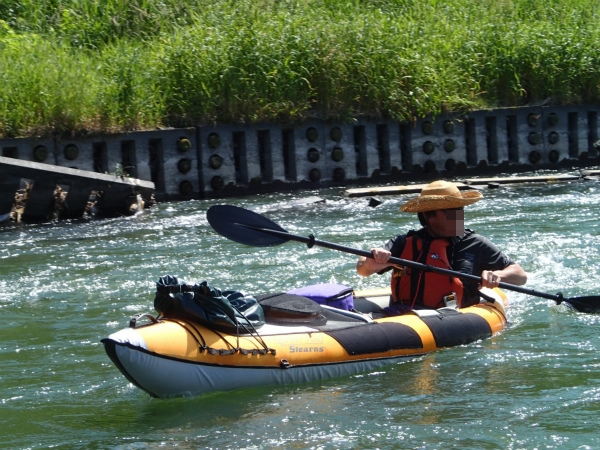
[376, 338]
[451, 328]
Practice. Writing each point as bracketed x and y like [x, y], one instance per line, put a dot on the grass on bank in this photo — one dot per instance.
[81, 66]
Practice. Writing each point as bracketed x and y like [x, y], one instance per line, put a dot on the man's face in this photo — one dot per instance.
[448, 222]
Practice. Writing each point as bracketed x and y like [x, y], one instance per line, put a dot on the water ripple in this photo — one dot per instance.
[65, 286]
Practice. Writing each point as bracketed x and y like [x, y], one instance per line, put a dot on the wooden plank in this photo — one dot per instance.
[590, 173]
[470, 183]
[530, 179]
[392, 190]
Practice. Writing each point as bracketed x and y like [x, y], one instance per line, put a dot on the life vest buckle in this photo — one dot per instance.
[450, 300]
[400, 271]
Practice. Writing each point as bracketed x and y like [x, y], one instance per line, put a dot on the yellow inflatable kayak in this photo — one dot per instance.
[171, 357]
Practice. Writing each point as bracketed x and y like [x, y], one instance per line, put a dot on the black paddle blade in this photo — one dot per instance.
[585, 304]
[236, 223]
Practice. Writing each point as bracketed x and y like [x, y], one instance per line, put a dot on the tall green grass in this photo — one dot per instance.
[84, 66]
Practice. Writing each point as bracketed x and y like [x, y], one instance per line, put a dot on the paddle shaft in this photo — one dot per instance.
[311, 241]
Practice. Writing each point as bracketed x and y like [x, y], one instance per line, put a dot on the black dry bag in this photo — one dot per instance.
[228, 311]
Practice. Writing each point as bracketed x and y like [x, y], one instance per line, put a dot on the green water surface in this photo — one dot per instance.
[65, 286]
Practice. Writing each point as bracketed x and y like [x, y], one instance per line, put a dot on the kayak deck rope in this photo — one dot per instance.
[232, 349]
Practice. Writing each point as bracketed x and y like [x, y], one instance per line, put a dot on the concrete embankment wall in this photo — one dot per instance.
[224, 160]
[38, 192]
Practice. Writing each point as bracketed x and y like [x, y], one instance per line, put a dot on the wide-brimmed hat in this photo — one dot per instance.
[440, 195]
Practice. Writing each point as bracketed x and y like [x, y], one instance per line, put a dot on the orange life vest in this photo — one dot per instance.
[427, 289]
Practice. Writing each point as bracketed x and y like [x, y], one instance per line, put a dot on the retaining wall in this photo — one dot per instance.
[39, 192]
[224, 160]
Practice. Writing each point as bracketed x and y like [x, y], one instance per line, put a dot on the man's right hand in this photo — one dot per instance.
[368, 266]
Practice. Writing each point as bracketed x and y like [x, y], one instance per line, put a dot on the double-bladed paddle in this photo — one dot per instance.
[250, 228]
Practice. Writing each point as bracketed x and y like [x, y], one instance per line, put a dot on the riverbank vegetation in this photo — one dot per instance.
[87, 66]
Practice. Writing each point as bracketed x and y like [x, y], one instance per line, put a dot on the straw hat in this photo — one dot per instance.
[440, 195]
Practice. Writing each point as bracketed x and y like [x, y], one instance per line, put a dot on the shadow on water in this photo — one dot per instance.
[253, 417]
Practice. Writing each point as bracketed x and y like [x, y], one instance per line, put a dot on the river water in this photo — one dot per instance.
[65, 286]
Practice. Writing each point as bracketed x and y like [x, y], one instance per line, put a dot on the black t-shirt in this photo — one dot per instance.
[471, 254]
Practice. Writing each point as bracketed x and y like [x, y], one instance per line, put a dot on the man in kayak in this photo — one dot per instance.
[442, 242]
